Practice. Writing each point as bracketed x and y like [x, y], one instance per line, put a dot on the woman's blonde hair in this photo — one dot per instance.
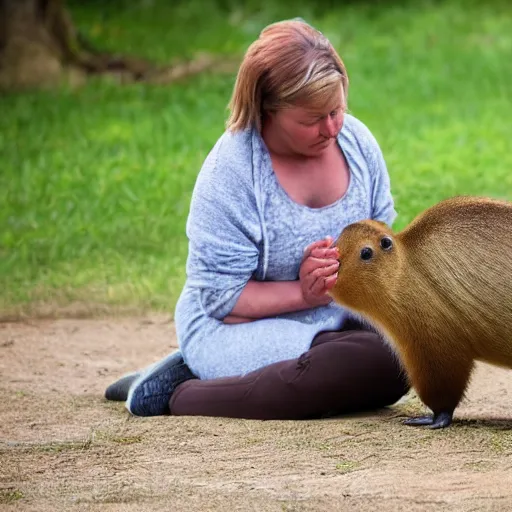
[290, 64]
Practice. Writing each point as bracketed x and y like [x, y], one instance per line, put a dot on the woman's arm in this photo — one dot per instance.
[271, 298]
[261, 299]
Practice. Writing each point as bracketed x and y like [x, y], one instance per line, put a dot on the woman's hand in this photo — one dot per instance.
[318, 271]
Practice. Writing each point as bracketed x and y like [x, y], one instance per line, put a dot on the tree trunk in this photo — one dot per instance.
[37, 43]
[40, 47]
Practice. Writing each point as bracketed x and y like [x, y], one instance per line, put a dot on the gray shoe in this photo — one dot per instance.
[149, 394]
[118, 391]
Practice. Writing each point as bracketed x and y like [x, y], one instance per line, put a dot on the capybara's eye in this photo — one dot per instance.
[386, 243]
[366, 253]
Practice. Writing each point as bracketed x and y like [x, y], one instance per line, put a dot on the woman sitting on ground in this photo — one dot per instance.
[259, 336]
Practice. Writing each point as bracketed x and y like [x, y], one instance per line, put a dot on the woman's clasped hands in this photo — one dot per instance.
[318, 271]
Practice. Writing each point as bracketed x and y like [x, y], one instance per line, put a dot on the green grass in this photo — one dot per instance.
[10, 495]
[95, 183]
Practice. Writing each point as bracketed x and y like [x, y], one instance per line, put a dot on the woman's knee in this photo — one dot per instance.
[359, 355]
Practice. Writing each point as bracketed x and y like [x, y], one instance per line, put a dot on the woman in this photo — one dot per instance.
[259, 335]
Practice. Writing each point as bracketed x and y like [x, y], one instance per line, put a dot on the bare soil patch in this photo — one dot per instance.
[63, 447]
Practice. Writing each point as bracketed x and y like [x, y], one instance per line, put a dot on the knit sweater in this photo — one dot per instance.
[243, 225]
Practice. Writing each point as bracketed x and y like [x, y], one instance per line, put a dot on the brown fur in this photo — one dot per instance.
[442, 294]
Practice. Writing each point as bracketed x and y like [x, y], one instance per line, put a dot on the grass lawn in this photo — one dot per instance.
[95, 182]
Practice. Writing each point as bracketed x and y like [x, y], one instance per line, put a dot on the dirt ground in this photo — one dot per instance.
[63, 447]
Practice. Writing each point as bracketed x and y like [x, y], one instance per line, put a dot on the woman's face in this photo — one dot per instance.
[304, 130]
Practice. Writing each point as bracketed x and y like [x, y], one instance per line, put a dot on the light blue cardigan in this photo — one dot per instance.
[242, 225]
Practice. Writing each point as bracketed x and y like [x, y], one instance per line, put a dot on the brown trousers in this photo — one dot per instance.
[343, 371]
